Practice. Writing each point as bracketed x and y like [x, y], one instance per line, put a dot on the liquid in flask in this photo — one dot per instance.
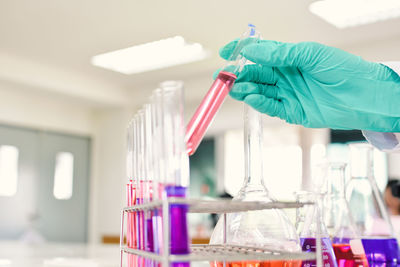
[313, 223]
[368, 209]
[346, 241]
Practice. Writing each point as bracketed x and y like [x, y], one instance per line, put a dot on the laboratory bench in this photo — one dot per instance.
[17, 254]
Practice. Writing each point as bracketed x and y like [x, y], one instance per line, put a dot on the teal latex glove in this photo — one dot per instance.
[318, 86]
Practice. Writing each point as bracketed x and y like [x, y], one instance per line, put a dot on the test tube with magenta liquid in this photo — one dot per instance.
[218, 91]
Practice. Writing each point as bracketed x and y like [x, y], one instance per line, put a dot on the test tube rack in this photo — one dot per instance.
[221, 253]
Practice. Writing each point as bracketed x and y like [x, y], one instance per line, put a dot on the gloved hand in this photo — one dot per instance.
[318, 86]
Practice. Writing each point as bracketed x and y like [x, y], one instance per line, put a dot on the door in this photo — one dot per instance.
[17, 207]
[52, 192]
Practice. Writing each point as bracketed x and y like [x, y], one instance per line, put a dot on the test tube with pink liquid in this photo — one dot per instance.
[218, 91]
[140, 181]
[131, 191]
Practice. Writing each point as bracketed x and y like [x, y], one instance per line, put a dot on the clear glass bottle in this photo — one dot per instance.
[368, 209]
[346, 241]
[268, 229]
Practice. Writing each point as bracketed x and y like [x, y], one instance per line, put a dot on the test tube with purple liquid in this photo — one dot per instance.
[158, 166]
[176, 167]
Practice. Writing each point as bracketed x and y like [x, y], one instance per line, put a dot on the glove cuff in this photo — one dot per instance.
[386, 142]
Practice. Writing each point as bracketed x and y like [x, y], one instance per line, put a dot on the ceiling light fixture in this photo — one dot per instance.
[151, 56]
[350, 13]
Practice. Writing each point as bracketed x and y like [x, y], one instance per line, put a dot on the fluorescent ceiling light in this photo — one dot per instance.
[151, 56]
[350, 13]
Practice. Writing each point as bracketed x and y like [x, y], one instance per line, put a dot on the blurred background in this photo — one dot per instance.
[63, 117]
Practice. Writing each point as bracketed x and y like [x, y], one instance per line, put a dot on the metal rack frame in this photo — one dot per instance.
[225, 252]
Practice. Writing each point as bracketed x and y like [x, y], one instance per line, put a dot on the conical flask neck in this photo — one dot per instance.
[338, 218]
[336, 180]
[361, 159]
[253, 148]
[313, 222]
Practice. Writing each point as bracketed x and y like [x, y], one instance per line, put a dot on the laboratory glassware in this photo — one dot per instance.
[267, 229]
[368, 209]
[158, 163]
[301, 197]
[313, 228]
[346, 240]
[141, 226]
[218, 91]
[149, 174]
[130, 191]
[176, 163]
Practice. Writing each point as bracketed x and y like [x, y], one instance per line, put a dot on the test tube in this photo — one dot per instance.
[129, 152]
[177, 166]
[218, 91]
[149, 170]
[156, 112]
[131, 188]
[139, 180]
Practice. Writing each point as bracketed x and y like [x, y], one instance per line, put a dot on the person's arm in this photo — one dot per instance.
[318, 86]
[387, 142]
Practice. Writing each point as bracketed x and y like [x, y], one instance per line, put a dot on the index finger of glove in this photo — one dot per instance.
[253, 73]
[263, 104]
[277, 54]
[258, 74]
[226, 51]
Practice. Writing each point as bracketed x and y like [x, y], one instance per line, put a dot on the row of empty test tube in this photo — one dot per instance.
[157, 168]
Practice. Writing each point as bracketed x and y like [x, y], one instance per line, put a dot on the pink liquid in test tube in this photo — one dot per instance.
[131, 223]
[205, 113]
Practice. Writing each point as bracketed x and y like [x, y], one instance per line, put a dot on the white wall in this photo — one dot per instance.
[30, 109]
[108, 172]
[394, 165]
[105, 126]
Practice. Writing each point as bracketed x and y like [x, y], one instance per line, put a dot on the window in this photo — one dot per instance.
[8, 170]
[63, 175]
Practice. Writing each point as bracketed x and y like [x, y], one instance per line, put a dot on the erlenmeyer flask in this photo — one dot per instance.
[309, 229]
[368, 209]
[346, 241]
[267, 229]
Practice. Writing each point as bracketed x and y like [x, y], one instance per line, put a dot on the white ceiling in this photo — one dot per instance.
[47, 44]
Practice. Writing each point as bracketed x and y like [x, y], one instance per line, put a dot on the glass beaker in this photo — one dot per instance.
[312, 227]
[267, 229]
[346, 241]
[368, 209]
